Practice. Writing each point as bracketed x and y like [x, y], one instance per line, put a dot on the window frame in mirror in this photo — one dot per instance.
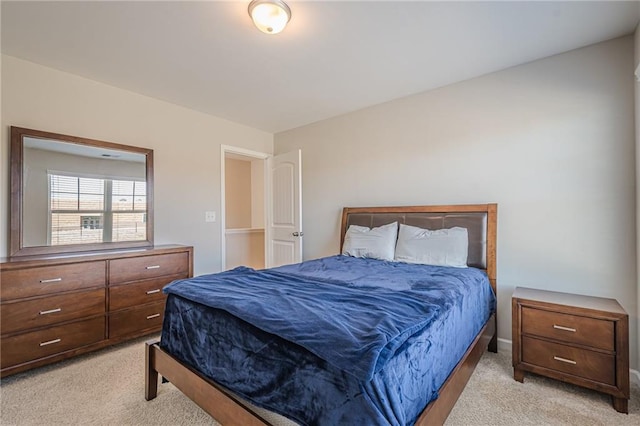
[16, 247]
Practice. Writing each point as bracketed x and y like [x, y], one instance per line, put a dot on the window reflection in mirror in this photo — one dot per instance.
[80, 211]
[78, 194]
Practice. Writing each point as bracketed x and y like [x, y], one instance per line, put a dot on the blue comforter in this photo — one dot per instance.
[359, 320]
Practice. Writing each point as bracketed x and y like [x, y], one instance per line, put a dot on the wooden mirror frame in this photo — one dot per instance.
[16, 201]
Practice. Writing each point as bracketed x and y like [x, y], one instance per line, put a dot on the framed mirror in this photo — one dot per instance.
[72, 194]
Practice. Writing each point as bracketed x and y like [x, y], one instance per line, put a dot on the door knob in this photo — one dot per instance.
[298, 234]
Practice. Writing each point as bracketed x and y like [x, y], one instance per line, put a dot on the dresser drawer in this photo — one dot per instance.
[591, 365]
[139, 293]
[43, 280]
[568, 328]
[144, 267]
[131, 321]
[50, 310]
[50, 341]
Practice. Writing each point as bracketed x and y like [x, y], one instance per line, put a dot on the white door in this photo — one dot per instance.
[284, 229]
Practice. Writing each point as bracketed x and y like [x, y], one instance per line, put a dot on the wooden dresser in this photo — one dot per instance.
[55, 307]
[577, 339]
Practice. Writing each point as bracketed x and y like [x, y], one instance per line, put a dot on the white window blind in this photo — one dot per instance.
[93, 210]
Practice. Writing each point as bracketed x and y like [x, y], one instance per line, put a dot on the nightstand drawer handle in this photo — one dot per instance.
[50, 311]
[153, 316]
[559, 327]
[52, 280]
[157, 290]
[568, 361]
[50, 342]
[153, 267]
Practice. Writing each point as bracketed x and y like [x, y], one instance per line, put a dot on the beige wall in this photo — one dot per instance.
[257, 193]
[237, 193]
[245, 248]
[636, 63]
[186, 146]
[552, 142]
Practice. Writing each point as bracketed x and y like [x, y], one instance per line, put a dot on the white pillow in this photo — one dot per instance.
[443, 247]
[376, 243]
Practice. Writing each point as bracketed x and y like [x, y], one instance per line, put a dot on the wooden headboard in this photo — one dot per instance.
[479, 219]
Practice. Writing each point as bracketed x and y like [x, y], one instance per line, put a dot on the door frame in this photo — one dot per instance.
[228, 149]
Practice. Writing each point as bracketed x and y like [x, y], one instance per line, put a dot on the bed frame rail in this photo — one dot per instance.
[211, 397]
[437, 411]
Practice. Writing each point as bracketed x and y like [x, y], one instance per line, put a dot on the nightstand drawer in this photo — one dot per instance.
[591, 365]
[568, 328]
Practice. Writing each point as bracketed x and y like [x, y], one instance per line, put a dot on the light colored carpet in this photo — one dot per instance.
[492, 397]
[107, 388]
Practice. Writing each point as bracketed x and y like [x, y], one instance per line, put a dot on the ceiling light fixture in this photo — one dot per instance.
[269, 16]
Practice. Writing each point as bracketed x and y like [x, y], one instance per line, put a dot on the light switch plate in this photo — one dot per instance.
[209, 216]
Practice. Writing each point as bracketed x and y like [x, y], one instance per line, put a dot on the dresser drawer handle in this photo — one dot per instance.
[50, 342]
[157, 290]
[568, 361]
[51, 280]
[559, 327]
[153, 316]
[153, 267]
[50, 311]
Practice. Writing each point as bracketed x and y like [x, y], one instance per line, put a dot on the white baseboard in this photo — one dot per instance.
[634, 377]
[504, 346]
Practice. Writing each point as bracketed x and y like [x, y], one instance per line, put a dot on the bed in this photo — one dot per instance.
[393, 376]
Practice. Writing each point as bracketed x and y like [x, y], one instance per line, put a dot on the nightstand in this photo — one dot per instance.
[577, 339]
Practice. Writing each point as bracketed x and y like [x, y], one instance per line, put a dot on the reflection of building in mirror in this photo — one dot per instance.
[91, 222]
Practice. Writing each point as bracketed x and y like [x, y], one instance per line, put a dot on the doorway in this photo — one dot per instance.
[261, 208]
[243, 210]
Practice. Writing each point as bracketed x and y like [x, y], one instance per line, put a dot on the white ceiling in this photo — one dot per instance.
[333, 58]
[82, 150]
